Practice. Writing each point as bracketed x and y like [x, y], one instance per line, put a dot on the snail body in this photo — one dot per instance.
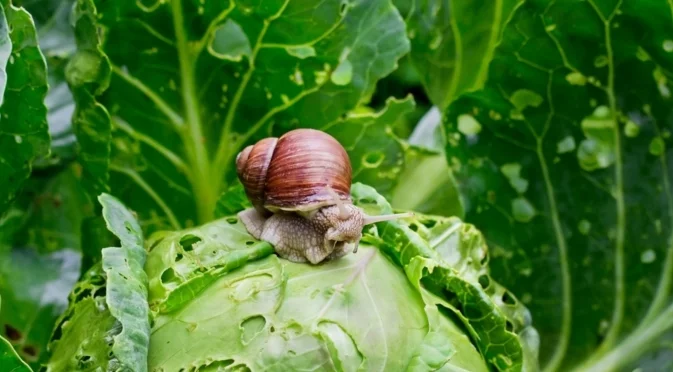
[299, 186]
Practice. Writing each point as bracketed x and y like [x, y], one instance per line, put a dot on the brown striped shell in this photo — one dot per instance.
[293, 172]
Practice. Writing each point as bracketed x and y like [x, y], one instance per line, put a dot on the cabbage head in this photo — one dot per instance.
[416, 296]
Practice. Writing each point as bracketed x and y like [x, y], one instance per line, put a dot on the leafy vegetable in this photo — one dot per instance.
[221, 299]
[112, 296]
[126, 290]
[34, 290]
[9, 359]
[236, 73]
[57, 43]
[564, 159]
[452, 42]
[24, 133]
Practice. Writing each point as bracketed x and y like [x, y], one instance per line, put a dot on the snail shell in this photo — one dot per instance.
[295, 172]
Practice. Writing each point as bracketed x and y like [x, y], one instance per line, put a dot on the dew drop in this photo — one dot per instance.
[18, 139]
[550, 28]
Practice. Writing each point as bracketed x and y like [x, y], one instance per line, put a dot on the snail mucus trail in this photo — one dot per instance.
[299, 186]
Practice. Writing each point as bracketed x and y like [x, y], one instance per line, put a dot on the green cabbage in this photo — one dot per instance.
[416, 296]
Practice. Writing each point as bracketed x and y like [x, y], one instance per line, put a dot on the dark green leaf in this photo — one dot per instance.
[52, 207]
[126, 285]
[34, 289]
[88, 75]
[57, 42]
[9, 360]
[232, 201]
[193, 83]
[452, 42]
[564, 160]
[376, 154]
[41, 236]
[24, 134]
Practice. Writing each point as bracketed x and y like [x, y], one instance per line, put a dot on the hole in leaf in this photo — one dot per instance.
[373, 159]
[251, 327]
[84, 361]
[484, 281]
[413, 227]
[12, 333]
[343, 7]
[218, 365]
[178, 257]
[97, 280]
[453, 300]
[232, 220]
[509, 326]
[429, 223]
[508, 299]
[187, 242]
[168, 276]
[128, 227]
[30, 351]
[100, 292]
[249, 242]
[484, 260]
[272, 329]
[83, 294]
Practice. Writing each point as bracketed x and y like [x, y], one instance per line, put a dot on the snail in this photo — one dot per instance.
[299, 188]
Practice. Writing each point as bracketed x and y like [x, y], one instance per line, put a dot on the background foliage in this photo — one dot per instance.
[546, 124]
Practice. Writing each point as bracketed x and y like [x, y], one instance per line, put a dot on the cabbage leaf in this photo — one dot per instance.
[564, 161]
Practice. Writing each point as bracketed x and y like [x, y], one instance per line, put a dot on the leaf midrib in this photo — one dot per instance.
[197, 155]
